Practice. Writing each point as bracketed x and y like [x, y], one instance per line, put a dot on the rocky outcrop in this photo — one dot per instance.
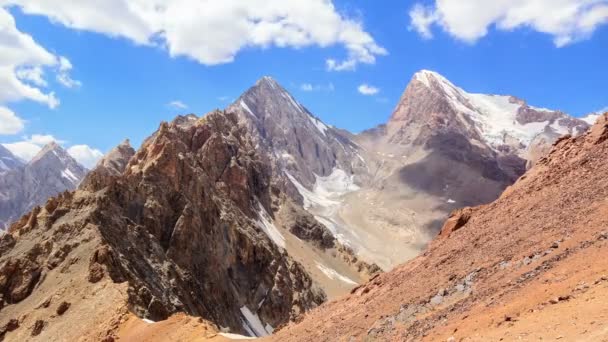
[112, 165]
[50, 172]
[180, 227]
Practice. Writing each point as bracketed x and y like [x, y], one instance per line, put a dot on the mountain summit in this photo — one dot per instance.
[49, 173]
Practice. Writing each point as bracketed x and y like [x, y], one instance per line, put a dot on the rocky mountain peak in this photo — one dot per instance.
[303, 144]
[49, 173]
[8, 161]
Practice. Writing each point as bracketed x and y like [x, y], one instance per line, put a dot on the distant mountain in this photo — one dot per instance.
[23, 187]
[8, 161]
[445, 148]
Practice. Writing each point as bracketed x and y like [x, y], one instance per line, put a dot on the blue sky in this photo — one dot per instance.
[126, 87]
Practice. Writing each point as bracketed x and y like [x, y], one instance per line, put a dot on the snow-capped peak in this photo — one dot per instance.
[498, 118]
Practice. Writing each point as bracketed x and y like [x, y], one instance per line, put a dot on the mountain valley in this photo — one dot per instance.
[253, 216]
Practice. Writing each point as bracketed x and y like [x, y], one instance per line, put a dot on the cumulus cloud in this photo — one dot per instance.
[214, 32]
[22, 69]
[85, 155]
[27, 148]
[63, 76]
[368, 90]
[9, 122]
[567, 21]
[317, 87]
[176, 104]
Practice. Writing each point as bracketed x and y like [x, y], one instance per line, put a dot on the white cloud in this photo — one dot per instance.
[63, 76]
[317, 87]
[214, 32]
[32, 74]
[85, 155]
[422, 18]
[306, 87]
[223, 98]
[177, 105]
[23, 149]
[368, 90]
[21, 63]
[22, 67]
[30, 146]
[9, 122]
[27, 148]
[567, 21]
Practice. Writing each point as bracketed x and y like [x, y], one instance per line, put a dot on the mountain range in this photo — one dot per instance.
[251, 216]
[26, 185]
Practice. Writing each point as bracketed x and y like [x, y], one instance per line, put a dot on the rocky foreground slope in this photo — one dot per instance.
[531, 265]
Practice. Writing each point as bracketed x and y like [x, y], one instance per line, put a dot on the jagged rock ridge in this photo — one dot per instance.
[180, 229]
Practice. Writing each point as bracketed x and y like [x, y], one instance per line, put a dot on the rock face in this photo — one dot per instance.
[111, 165]
[186, 227]
[477, 142]
[301, 143]
[8, 161]
[49, 173]
[499, 271]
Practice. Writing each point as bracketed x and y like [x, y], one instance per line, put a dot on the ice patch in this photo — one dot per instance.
[236, 336]
[325, 200]
[69, 175]
[310, 198]
[333, 274]
[254, 325]
[591, 118]
[265, 223]
[246, 107]
[319, 124]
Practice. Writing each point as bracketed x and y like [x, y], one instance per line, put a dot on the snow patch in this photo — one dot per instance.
[310, 197]
[494, 116]
[149, 321]
[318, 123]
[253, 324]
[236, 336]
[246, 108]
[451, 201]
[265, 223]
[333, 274]
[591, 118]
[69, 175]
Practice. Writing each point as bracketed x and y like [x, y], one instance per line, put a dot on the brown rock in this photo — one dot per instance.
[37, 328]
[63, 307]
[458, 218]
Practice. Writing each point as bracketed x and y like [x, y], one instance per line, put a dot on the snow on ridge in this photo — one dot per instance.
[69, 175]
[246, 108]
[494, 116]
[318, 123]
[265, 223]
[591, 118]
[333, 274]
[253, 324]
